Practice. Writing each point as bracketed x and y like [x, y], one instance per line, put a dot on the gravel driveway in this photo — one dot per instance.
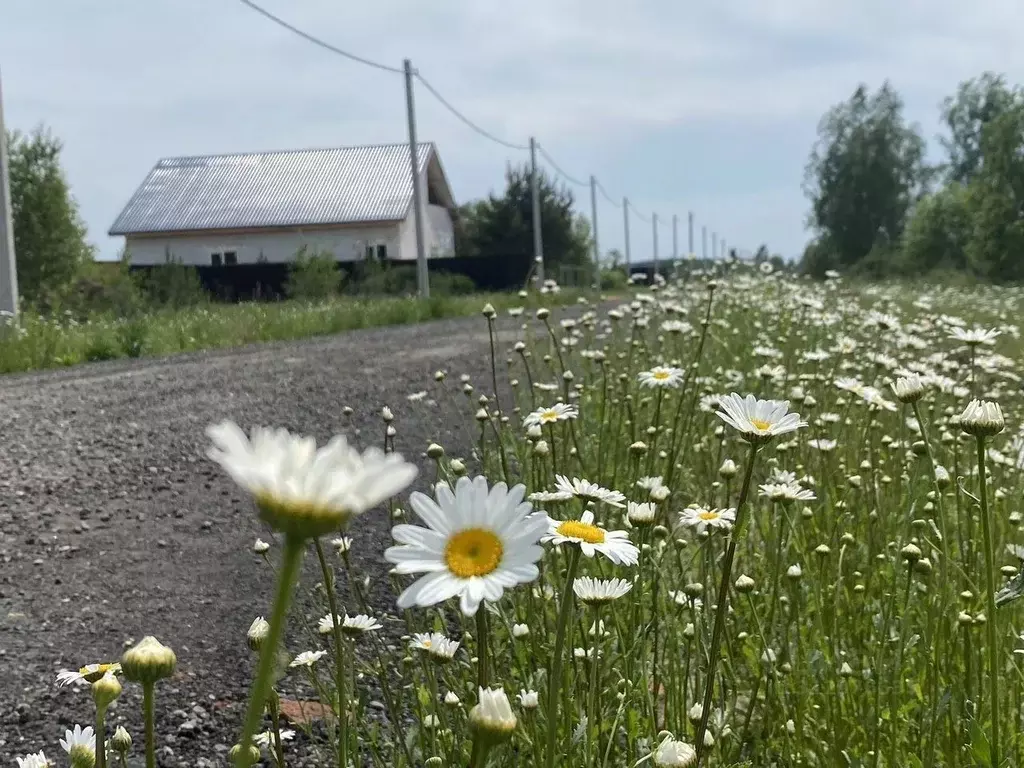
[113, 524]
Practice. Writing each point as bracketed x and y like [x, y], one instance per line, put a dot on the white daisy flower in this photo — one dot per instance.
[493, 715]
[307, 658]
[266, 739]
[650, 483]
[436, 644]
[548, 497]
[672, 753]
[640, 513]
[528, 699]
[79, 737]
[584, 489]
[975, 336]
[758, 421]
[358, 624]
[551, 414]
[786, 492]
[822, 444]
[702, 518]
[479, 542]
[90, 673]
[591, 539]
[598, 591]
[661, 376]
[37, 760]
[301, 490]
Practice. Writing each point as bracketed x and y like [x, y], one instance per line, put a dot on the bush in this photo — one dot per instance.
[313, 275]
[103, 288]
[375, 279]
[613, 278]
[173, 284]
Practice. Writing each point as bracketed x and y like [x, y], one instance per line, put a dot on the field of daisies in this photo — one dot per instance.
[739, 520]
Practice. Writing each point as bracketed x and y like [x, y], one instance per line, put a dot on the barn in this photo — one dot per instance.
[232, 212]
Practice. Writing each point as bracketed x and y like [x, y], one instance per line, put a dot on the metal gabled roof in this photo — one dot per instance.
[274, 189]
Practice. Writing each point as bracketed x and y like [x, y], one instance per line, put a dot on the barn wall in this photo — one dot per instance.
[438, 230]
[273, 247]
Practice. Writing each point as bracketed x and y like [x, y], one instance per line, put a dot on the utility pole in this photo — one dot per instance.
[704, 241]
[714, 245]
[675, 238]
[422, 276]
[8, 266]
[625, 227]
[538, 243]
[654, 229]
[689, 239]
[593, 221]
[725, 250]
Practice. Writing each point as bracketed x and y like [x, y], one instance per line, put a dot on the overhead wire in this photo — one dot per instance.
[317, 41]
[608, 197]
[558, 170]
[447, 105]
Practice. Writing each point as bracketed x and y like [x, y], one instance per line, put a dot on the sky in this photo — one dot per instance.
[709, 107]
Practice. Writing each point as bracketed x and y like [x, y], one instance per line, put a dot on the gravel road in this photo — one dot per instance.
[114, 525]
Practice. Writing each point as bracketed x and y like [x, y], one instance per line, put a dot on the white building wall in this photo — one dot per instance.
[348, 244]
[438, 231]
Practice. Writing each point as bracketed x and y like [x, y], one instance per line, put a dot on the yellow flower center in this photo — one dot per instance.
[761, 426]
[574, 529]
[708, 514]
[93, 672]
[473, 552]
[660, 375]
[549, 415]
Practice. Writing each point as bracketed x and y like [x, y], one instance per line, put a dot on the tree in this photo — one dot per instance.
[976, 104]
[938, 233]
[49, 235]
[865, 172]
[501, 227]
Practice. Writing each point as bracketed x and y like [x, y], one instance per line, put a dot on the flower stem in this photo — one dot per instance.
[290, 561]
[481, 647]
[275, 723]
[147, 716]
[101, 738]
[990, 585]
[555, 681]
[721, 608]
[339, 656]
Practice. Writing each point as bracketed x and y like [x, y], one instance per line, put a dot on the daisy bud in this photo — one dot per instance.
[694, 589]
[659, 493]
[822, 549]
[790, 727]
[846, 670]
[121, 741]
[257, 632]
[260, 547]
[82, 756]
[254, 754]
[639, 448]
[543, 313]
[661, 532]
[387, 415]
[911, 553]
[568, 375]
[1008, 571]
[982, 418]
[457, 467]
[919, 448]
[435, 451]
[433, 762]
[980, 619]
[492, 719]
[534, 432]
[923, 566]
[847, 538]
[744, 584]
[347, 410]
[488, 311]
[148, 661]
[439, 375]
[672, 753]
[541, 448]
[105, 691]
[908, 389]
[689, 631]
[728, 469]
[520, 630]
[794, 572]
[451, 699]
[529, 699]
[481, 415]
[695, 713]
[964, 619]
[855, 481]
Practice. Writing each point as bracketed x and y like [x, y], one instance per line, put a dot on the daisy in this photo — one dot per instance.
[599, 591]
[528, 699]
[758, 421]
[301, 490]
[307, 658]
[615, 545]
[436, 644]
[640, 513]
[672, 753]
[974, 337]
[661, 376]
[702, 518]
[82, 739]
[358, 624]
[90, 673]
[650, 483]
[38, 760]
[584, 489]
[556, 412]
[822, 444]
[547, 497]
[266, 738]
[479, 542]
[493, 715]
[786, 492]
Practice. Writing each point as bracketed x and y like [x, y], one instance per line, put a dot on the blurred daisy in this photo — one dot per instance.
[599, 591]
[640, 513]
[672, 753]
[702, 518]
[758, 421]
[974, 337]
[90, 673]
[822, 444]
[302, 490]
[266, 738]
[307, 658]
[80, 739]
[435, 644]
[786, 492]
[479, 542]
[588, 491]
[37, 760]
[544, 497]
[661, 376]
[591, 539]
[650, 483]
[552, 414]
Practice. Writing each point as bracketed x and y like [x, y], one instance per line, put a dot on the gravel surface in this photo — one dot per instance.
[114, 525]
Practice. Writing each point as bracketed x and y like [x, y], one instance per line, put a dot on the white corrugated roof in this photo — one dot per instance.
[274, 189]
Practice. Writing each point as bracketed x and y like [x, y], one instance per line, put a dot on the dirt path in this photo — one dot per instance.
[113, 524]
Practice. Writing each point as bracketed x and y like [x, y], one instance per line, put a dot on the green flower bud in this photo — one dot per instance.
[254, 753]
[105, 691]
[121, 741]
[148, 661]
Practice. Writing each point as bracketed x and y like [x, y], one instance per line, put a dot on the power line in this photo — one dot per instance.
[317, 41]
[639, 215]
[608, 197]
[465, 119]
[558, 170]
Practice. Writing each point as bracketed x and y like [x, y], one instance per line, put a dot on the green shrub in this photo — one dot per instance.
[132, 335]
[613, 278]
[103, 288]
[313, 275]
[173, 284]
[103, 345]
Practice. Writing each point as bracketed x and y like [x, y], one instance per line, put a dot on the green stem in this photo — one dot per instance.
[481, 647]
[275, 724]
[339, 656]
[147, 716]
[720, 611]
[555, 681]
[101, 738]
[990, 584]
[290, 561]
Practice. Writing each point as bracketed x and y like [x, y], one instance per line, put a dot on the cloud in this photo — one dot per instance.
[683, 106]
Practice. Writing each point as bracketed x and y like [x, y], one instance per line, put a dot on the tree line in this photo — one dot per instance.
[879, 208]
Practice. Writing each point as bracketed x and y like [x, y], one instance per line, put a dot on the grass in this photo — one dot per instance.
[839, 594]
[39, 342]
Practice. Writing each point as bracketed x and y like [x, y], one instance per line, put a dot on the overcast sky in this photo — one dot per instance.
[703, 106]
